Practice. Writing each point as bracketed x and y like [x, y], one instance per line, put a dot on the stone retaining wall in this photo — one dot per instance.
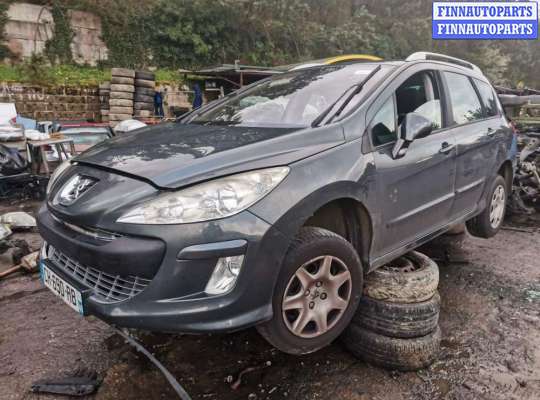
[44, 103]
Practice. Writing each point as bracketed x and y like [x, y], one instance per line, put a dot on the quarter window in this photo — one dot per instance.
[466, 106]
[488, 98]
[383, 125]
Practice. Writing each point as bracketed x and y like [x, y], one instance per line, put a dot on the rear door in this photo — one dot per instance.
[415, 192]
[473, 132]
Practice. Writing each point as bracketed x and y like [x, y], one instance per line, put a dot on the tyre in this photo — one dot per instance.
[143, 98]
[145, 91]
[143, 113]
[128, 73]
[143, 83]
[119, 117]
[143, 106]
[489, 221]
[121, 103]
[121, 110]
[392, 353]
[149, 76]
[121, 95]
[398, 320]
[412, 278]
[122, 88]
[317, 292]
[121, 80]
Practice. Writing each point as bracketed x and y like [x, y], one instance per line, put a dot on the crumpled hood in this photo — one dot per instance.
[174, 155]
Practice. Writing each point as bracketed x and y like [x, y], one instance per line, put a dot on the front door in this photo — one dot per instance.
[415, 192]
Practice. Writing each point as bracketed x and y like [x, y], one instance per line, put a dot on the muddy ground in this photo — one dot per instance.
[490, 320]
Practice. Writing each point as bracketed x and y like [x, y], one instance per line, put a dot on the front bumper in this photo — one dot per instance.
[174, 299]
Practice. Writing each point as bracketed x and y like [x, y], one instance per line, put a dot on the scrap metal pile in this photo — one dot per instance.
[522, 107]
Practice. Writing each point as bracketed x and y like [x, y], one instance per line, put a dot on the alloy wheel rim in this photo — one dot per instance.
[316, 296]
[498, 203]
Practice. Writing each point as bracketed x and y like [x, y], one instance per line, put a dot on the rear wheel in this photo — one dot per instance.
[488, 223]
[317, 292]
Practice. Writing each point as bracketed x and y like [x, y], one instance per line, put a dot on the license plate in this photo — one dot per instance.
[71, 296]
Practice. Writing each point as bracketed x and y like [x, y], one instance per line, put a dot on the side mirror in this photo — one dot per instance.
[414, 126]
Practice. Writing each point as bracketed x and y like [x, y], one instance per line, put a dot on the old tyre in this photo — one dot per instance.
[122, 88]
[121, 110]
[143, 98]
[399, 320]
[316, 294]
[128, 73]
[143, 113]
[149, 76]
[119, 117]
[488, 223]
[393, 353]
[145, 91]
[121, 80]
[121, 95]
[143, 106]
[411, 278]
[120, 103]
[143, 83]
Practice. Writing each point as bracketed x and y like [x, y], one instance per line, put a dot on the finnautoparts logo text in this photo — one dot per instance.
[483, 20]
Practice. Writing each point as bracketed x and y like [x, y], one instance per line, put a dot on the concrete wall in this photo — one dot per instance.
[30, 26]
[44, 103]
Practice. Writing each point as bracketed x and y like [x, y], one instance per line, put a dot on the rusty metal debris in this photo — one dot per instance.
[82, 383]
[523, 108]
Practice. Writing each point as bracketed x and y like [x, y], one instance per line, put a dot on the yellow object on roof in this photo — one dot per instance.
[351, 57]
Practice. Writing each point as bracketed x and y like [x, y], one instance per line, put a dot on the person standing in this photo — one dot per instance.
[198, 98]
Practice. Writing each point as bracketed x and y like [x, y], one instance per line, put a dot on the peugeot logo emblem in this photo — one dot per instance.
[75, 188]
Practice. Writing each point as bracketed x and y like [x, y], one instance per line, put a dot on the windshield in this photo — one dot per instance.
[293, 99]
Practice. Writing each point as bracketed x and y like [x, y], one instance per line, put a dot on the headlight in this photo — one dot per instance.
[207, 201]
[57, 172]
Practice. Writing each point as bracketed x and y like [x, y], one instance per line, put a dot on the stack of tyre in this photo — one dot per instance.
[396, 325]
[121, 95]
[145, 86]
[104, 96]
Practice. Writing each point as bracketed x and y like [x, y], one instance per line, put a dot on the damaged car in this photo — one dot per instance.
[268, 207]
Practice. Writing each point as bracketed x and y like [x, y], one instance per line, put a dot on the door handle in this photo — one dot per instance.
[491, 131]
[446, 148]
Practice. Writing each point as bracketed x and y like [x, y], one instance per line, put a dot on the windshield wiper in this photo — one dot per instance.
[357, 89]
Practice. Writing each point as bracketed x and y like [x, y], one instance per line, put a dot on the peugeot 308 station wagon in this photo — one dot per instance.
[268, 207]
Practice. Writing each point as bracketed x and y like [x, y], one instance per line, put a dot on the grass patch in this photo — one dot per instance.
[70, 75]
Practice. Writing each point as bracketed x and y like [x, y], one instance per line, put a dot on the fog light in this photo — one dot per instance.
[225, 274]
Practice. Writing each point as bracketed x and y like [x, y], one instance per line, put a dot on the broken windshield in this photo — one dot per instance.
[293, 99]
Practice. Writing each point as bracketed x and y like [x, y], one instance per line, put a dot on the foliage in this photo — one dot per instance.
[58, 48]
[175, 34]
[4, 51]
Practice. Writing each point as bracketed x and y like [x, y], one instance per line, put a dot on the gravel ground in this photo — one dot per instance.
[490, 320]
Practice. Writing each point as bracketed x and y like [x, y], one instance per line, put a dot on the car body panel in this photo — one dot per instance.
[407, 201]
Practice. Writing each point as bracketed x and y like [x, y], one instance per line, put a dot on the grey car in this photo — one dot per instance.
[268, 207]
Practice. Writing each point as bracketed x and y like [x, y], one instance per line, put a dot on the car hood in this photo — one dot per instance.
[174, 155]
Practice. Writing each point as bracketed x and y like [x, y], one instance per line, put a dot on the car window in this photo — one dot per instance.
[466, 106]
[383, 125]
[488, 98]
[291, 99]
[420, 94]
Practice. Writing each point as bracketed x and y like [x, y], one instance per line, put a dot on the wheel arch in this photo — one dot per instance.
[507, 172]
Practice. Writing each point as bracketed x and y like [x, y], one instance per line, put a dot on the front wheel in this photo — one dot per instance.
[317, 292]
[488, 223]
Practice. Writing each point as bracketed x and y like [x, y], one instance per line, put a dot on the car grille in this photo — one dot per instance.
[106, 288]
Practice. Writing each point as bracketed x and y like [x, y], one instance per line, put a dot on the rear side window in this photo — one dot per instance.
[488, 98]
[466, 106]
[383, 125]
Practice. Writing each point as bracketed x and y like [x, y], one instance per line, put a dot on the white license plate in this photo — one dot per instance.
[62, 289]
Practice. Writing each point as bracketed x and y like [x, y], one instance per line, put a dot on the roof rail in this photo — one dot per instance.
[424, 55]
